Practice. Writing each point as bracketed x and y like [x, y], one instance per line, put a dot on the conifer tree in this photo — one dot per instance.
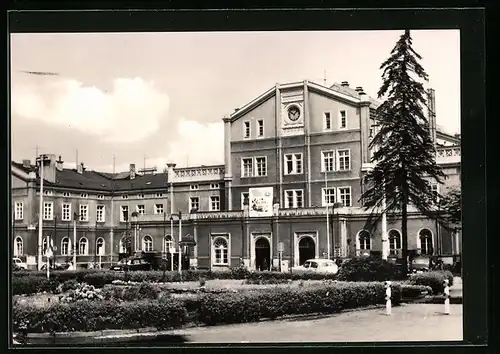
[404, 152]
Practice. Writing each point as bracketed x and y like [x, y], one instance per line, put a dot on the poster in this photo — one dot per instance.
[261, 202]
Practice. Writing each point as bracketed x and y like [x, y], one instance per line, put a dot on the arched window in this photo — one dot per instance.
[168, 243]
[123, 245]
[364, 238]
[425, 237]
[83, 247]
[394, 241]
[18, 246]
[99, 246]
[147, 243]
[65, 246]
[220, 249]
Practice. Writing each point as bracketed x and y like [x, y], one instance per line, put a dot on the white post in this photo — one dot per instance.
[48, 257]
[446, 297]
[135, 237]
[385, 238]
[173, 242]
[180, 246]
[74, 242]
[327, 218]
[388, 294]
[40, 217]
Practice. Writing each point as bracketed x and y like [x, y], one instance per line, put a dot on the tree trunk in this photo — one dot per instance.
[404, 231]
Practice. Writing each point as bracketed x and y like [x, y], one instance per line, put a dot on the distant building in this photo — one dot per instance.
[270, 195]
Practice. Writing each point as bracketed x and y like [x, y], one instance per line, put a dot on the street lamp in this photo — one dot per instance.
[134, 219]
[40, 164]
[334, 205]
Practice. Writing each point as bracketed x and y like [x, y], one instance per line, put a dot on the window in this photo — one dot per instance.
[214, 186]
[260, 127]
[123, 245]
[220, 251]
[246, 129]
[48, 193]
[194, 187]
[48, 211]
[84, 195]
[394, 242]
[328, 161]
[66, 212]
[343, 120]
[100, 196]
[328, 121]
[147, 244]
[344, 160]
[194, 203]
[159, 195]
[214, 203]
[124, 213]
[293, 164]
[261, 166]
[425, 237]
[124, 196]
[141, 209]
[83, 247]
[328, 196]
[244, 199]
[364, 240]
[345, 196]
[84, 212]
[18, 247]
[100, 213]
[168, 243]
[65, 246]
[158, 208]
[140, 196]
[19, 211]
[66, 194]
[99, 246]
[294, 198]
[246, 167]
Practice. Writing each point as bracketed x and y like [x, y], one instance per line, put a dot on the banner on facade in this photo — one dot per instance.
[261, 202]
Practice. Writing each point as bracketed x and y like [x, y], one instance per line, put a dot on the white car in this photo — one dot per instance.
[324, 266]
[18, 262]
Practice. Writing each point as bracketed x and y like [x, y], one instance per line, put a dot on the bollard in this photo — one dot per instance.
[388, 294]
[446, 297]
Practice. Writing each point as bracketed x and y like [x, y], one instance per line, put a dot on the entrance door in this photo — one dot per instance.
[262, 254]
[307, 249]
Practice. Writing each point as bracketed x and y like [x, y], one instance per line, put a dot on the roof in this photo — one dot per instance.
[353, 93]
[22, 168]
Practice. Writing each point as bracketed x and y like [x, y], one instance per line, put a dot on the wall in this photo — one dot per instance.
[265, 111]
[319, 104]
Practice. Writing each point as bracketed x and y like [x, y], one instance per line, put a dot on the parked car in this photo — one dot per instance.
[57, 266]
[18, 264]
[324, 266]
[420, 264]
[131, 264]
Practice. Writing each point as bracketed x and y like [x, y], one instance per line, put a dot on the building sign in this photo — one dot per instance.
[261, 202]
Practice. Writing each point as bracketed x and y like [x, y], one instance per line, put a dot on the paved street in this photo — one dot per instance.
[414, 322]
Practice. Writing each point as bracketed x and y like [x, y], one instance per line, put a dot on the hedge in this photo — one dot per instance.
[433, 279]
[209, 309]
[370, 269]
[409, 291]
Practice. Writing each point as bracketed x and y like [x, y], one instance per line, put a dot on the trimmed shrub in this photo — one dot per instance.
[141, 291]
[369, 269]
[32, 285]
[432, 279]
[409, 291]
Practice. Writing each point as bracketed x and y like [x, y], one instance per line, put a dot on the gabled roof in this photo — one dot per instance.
[353, 93]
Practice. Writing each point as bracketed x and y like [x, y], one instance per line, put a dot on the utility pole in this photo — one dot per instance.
[40, 215]
[180, 245]
[327, 217]
[75, 216]
[111, 231]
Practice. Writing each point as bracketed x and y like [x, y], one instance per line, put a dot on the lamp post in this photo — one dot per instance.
[180, 240]
[40, 164]
[134, 217]
[334, 206]
[75, 217]
[327, 217]
[172, 239]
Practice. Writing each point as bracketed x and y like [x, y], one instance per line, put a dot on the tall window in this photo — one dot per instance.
[100, 209]
[364, 240]
[168, 243]
[425, 237]
[83, 247]
[244, 199]
[345, 196]
[158, 208]
[328, 161]
[147, 244]
[343, 120]
[328, 121]
[294, 198]
[48, 211]
[66, 212]
[293, 164]
[261, 166]
[123, 245]
[19, 211]
[124, 213]
[246, 129]
[194, 203]
[394, 241]
[84, 212]
[246, 167]
[260, 127]
[220, 249]
[328, 196]
[99, 246]
[215, 203]
[65, 246]
[344, 157]
[141, 209]
[18, 246]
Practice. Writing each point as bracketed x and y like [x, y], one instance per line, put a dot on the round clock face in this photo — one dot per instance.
[293, 113]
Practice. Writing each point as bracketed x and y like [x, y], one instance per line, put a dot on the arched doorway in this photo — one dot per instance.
[307, 249]
[262, 254]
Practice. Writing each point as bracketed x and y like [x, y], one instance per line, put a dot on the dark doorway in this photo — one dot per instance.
[307, 249]
[262, 254]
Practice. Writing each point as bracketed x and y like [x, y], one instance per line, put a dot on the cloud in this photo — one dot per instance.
[131, 111]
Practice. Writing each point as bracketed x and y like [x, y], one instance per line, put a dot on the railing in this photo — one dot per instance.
[218, 215]
[198, 173]
[448, 154]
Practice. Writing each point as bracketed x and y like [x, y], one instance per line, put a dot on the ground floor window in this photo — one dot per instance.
[99, 246]
[147, 244]
[65, 246]
[394, 242]
[18, 246]
[168, 243]
[364, 239]
[83, 248]
[425, 237]
[220, 251]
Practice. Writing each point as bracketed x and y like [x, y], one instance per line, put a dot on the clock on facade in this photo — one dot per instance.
[293, 113]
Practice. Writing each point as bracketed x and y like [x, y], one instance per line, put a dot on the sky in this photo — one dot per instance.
[153, 98]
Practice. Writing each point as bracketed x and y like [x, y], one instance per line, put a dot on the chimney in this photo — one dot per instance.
[359, 88]
[345, 84]
[79, 168]
[59, 164]
[26, 163]
[236, 109]
[132, 170]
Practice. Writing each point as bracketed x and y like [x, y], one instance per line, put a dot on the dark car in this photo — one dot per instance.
[57, 266]
[131, 265]
[420, 264]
